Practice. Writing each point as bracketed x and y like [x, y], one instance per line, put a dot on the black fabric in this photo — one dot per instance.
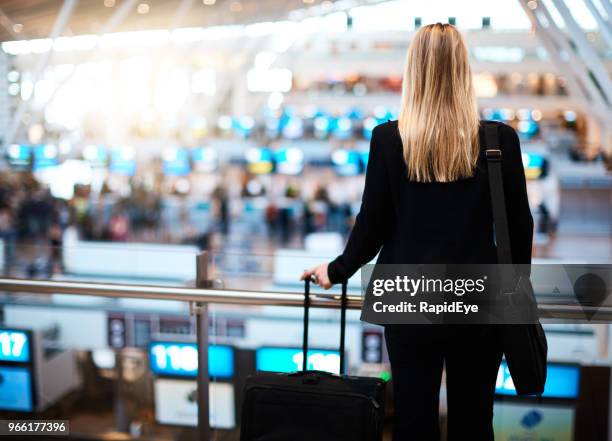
[470, 355]
[524, 346]
[413, 222]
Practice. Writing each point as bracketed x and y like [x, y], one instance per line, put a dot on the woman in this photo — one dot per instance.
[426, 200]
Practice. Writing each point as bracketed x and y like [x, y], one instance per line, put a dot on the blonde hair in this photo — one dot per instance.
[438, 120]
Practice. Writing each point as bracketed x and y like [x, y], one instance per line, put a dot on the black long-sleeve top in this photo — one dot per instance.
[418, 223]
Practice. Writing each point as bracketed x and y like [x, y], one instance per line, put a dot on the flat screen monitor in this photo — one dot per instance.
[205, 159]
[346, 162]
[276, 359]
[289, 161]
[19, 155]
[562, 381]
[123, 161]
[44, 156]
[259, 160]
[96, 155]
[535, 165]
[16, 389]
[519, 421]
[176, 403]
[174, 359]
[14, 345]
[175, 162]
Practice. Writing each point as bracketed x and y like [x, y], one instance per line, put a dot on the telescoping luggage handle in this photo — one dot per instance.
[343, 305]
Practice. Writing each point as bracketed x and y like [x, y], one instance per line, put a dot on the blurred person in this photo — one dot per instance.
[119, 227]
[426, 200]
[7, 234]
[221, 208]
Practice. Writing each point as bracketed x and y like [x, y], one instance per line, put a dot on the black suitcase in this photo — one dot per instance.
[313, 405]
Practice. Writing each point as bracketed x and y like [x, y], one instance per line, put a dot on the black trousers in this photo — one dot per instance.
[471, 355]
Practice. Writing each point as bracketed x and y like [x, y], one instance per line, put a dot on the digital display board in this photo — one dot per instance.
[205, 159]
[176, 403]
[19, 155]
[523, 422]
[44, 156]
[290, 360]
[16, 389]
[14, 346]
[346, 162]
[259, 160]
[562, 381]
[123, 161]
[181, 360]
[535, 165]
[96, 155]
[175, 162]
[289, 161]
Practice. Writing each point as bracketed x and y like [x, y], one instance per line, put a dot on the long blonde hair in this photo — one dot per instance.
[438, 120]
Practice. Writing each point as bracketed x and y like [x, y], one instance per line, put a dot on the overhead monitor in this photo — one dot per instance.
[19, 155]
[346, 162]
[175, 162]
[283, 359]
[44, 156]
[123, 161]
[289, 161]
[205, 159]
[176, 359]
[14, 345]
[536, 165]
[259, 160]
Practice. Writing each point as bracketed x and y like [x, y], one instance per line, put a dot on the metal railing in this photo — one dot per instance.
[200, 296]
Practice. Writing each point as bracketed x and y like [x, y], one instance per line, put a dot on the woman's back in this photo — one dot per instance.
[434, 222]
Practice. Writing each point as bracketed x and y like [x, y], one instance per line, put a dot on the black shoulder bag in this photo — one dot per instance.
[524, 345]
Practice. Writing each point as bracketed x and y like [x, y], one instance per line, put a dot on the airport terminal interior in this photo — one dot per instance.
[152, 147]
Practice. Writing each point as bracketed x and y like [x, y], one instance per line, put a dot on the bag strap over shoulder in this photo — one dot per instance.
[493, 155]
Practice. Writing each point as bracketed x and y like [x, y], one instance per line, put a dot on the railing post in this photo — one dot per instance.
[200, 310]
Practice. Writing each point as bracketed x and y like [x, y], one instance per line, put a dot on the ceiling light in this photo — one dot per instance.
[532, 4]
[209, 2]
[17, 28]
[236, 7]
[143, 8]
[109, 3]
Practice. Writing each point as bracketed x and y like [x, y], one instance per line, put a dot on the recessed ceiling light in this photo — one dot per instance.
[17, 27]
[109, 3]
[209, 2]
[143, 8]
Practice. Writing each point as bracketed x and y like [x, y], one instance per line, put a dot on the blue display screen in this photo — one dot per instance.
[14, 346]
[289, 161]
[205, 159]
[346, 162]
[123, 162]
[19, 154]
[181, 359]
[259, 160]
[45, 155]
[176, 162]
[290, 360]
[562, 381]
[16, 389]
